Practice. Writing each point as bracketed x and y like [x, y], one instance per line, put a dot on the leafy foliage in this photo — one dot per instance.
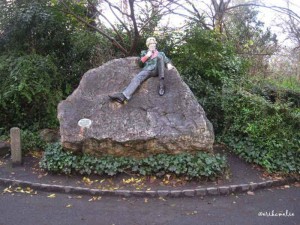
[250, 38]
[206, 56]
[200, 165]
[31, 141]
[206, 61]
[43, 55]
[262, 132]
[258, 120]
[29, 90]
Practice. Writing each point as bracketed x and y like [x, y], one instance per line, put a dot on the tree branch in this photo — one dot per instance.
[275, 8]
[108, 21]
[112, 40]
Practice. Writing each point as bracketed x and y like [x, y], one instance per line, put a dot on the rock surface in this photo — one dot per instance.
[147, 124]
[49, 135]
[4, 148]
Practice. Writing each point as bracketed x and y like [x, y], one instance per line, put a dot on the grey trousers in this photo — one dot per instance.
[144, 75]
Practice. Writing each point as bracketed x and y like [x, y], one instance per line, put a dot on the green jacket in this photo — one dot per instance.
[151, 64]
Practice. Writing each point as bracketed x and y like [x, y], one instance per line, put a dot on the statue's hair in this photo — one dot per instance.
[151, 40]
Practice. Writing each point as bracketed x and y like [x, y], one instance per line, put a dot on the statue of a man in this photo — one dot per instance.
[154, 63]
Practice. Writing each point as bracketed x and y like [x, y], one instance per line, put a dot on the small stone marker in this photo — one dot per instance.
[15, 145]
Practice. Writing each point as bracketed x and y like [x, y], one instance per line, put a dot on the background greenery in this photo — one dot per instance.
[44, 52]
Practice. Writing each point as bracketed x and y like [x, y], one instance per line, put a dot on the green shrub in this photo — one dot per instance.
[201, 165]
[262, 132]
[43, 55]
[31, 141]
[29, 91]
[276, 93]
[205, 62]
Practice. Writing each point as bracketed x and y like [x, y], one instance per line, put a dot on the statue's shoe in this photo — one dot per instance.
[118, 97]
[161, 90]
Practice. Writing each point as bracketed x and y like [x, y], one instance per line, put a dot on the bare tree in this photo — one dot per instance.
[288, 64]
[220, 9]
[292, 27]
[116, 18]
[211, 13]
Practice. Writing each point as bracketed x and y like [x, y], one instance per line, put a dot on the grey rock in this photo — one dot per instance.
[189, 192]
[262, 184]
[224, 190]
[253, 186]
[245, 187]
[269, 183]
[201, 192]
[278, 182]
[137, 193]
[233, 188]
[124, 193]
[150, 193]
[176, 193]
[4, 148]
[213, 191]
[147, 124]
[163, 193]
[49, 135]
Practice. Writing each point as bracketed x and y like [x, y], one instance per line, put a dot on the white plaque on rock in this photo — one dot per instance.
[86, 123]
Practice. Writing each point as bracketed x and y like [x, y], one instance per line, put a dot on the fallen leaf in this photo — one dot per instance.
[51, 196]
[95, 199]
[161, 198]
[68, 206]
[28, 190]
[152, 179]
[166, 181]
[146, 200]
[7, 190]
[250, 193]
[191, 213]
[87, 181]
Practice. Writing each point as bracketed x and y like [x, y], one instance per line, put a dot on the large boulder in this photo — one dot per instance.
[4, 148]
[147, 124]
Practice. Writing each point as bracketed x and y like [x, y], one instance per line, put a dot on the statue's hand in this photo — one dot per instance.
[170, 66]
[149, 54]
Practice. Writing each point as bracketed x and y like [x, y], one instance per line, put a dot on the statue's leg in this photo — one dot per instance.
[136, 82]
[161, 75]
[160, 67]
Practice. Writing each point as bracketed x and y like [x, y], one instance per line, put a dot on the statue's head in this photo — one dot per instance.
[151, 43]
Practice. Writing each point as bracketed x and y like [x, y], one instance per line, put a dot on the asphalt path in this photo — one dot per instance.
[42, 208]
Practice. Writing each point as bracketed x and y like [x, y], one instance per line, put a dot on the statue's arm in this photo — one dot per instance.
[167, 61]
[143, 53]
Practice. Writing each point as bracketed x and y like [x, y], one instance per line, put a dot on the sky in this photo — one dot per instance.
[272, 18]
[268, 16]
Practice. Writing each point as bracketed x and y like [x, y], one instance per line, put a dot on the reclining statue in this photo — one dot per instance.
[153, 63]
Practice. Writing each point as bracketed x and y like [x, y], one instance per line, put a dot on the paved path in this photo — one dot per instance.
[63, 209]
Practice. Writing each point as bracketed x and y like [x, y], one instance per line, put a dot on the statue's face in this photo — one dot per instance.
[152, 47]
